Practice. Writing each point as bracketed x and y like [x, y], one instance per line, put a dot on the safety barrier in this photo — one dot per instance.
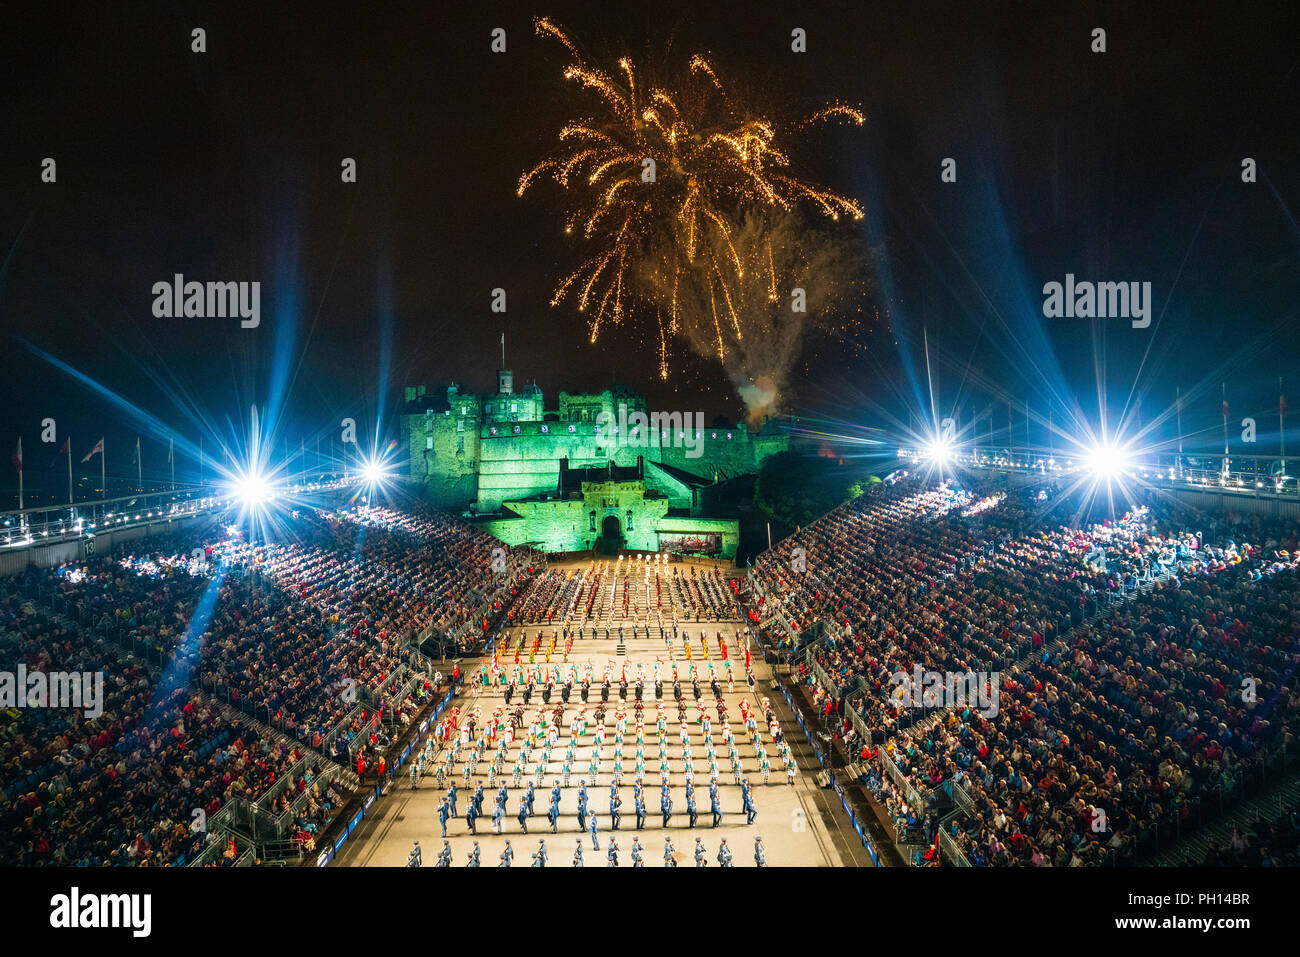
[853, 819]
[329, 853]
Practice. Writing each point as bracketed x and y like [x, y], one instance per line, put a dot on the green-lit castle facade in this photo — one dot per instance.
[598, 470]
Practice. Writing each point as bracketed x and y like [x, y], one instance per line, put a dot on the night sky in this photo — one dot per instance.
[226, 166]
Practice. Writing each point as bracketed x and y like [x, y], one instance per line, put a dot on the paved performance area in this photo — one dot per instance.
[719, 730]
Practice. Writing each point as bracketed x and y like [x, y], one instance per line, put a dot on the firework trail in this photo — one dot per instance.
[672, 187]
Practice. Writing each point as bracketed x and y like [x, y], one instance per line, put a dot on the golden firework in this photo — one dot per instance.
[660, 176]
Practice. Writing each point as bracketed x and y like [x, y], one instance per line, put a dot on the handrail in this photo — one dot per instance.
[325, 778]
[950, 852]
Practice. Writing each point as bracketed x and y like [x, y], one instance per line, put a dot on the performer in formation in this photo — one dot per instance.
[515, 745]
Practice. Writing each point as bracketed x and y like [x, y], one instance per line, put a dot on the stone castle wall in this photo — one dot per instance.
[480, 451]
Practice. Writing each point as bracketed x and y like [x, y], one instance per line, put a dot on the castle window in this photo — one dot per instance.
[460, 445]
[629, 520]
[514, 406]
[460, 425]
[428, 443]
[592, 526]
[489, 408]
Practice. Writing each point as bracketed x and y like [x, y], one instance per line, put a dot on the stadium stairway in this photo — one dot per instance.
[349, 776]
[1268, 806]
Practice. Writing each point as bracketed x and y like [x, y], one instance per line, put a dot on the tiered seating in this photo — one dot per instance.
[1138, 716]
[292, 634]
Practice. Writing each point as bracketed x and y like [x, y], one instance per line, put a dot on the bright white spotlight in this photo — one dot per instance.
[252, 489]
[374, 473]
[938, 452]
[1107, 461]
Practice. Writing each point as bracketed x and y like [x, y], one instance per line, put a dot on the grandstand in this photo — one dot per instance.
[264, 700]
[1144, 676]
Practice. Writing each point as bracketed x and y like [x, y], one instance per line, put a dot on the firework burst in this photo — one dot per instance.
[658, 230]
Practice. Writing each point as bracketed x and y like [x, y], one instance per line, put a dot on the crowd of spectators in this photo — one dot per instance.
[218, 656]
[607, 590]
[1120, 722]
[133, 784]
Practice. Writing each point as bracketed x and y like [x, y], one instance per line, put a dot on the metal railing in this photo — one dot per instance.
[950, 851]
[45, 524]
[332, 774]
[1256, 476]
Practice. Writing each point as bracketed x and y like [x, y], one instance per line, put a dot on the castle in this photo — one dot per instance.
[572, 478]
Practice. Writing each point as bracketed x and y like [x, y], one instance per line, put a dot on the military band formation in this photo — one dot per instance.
[576, 733]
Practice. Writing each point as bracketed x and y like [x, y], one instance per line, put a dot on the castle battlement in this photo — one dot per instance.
[484, 451]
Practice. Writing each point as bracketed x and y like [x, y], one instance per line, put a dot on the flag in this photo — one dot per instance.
[18, 455]
[66, 448]
[97, 450]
